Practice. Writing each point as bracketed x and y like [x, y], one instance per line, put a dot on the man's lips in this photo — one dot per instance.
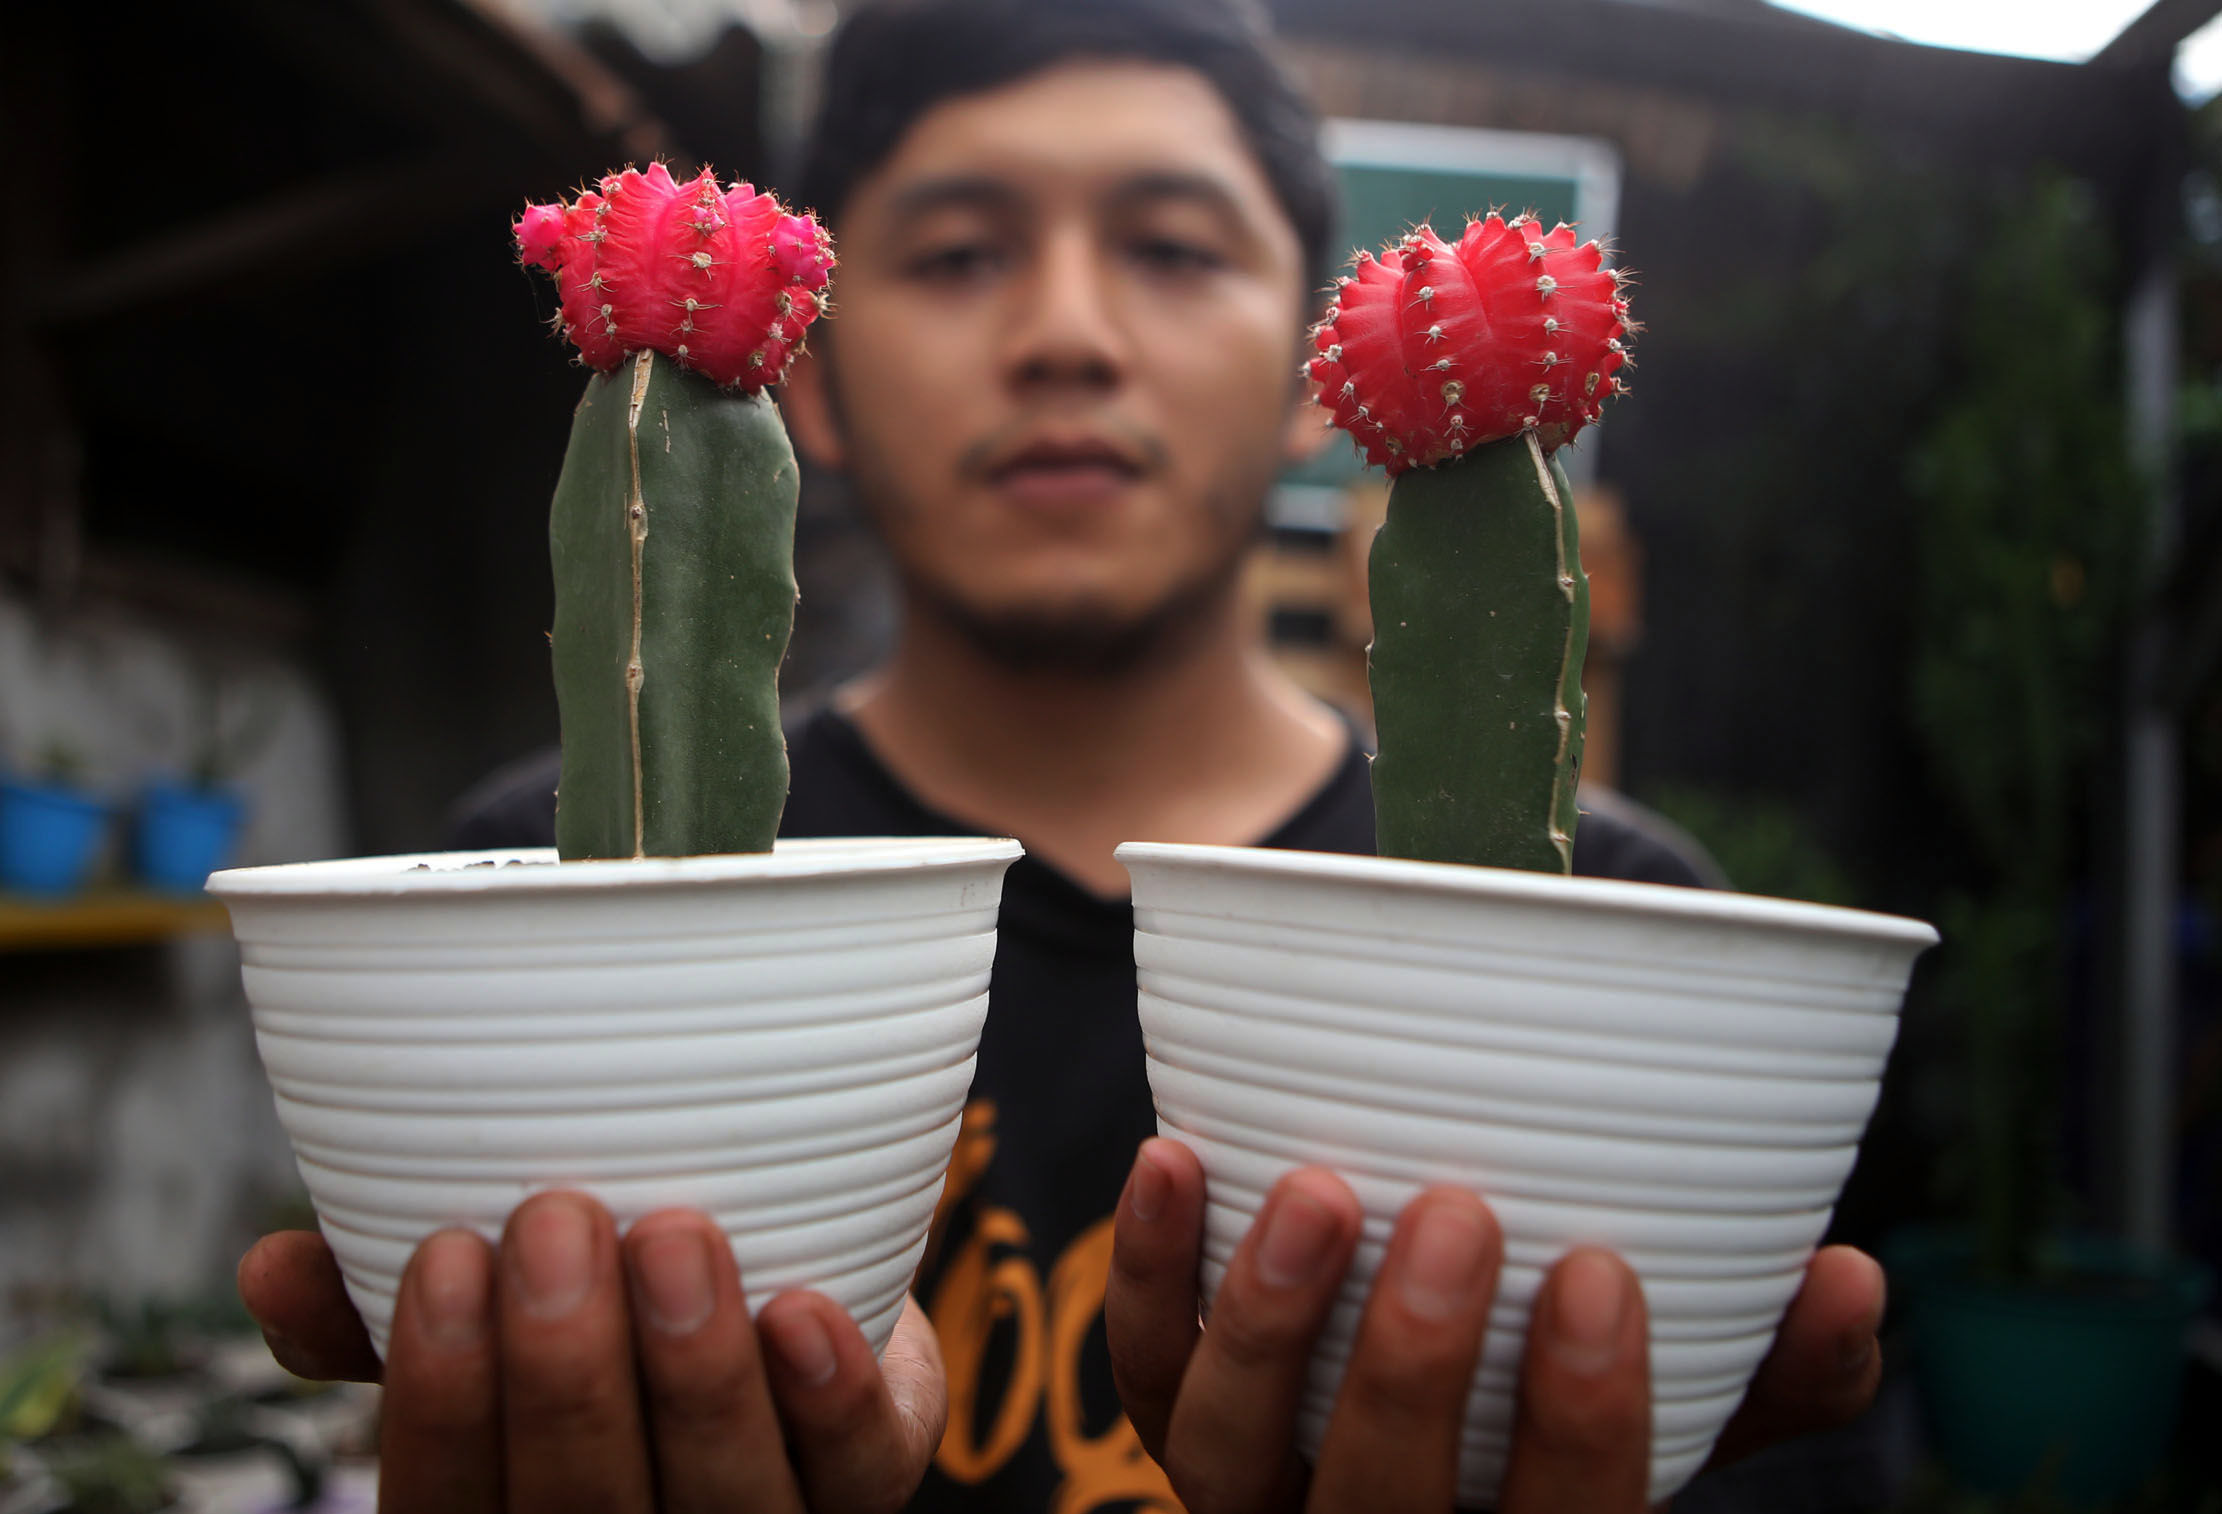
[1065, 470]
[1063, 455]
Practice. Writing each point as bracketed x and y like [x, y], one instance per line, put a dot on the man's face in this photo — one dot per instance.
[1063, 371]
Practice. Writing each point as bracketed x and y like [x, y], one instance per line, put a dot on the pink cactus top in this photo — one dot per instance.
[723, 280]
[1434, 348]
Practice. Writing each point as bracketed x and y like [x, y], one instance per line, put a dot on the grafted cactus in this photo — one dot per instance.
[672, 528]
[1459, 368]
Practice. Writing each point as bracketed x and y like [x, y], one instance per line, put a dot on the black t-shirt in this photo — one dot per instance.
[1014, 1274]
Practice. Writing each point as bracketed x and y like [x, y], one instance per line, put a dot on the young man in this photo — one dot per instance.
[1080, 240]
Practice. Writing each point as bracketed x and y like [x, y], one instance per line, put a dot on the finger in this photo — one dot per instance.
[714, 1432]
[1826, 1362]
[1149, 1299]
[292, 1286]
[1581, 1438]
[917, 1382]
[1230, 1446]
[856, 1449]
[1394, 1439]
[573, 1435]
[440, 1423]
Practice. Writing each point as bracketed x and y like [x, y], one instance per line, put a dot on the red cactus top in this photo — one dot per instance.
[722, 280]
[1434, 348]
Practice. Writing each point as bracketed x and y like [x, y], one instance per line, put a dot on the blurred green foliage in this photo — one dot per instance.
[1766, 846]
[2029, 537]
[158, 1337]
[112, 1474]
[2028, 546]
[39, 1385]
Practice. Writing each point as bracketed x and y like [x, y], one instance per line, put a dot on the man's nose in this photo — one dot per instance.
[1068, 333]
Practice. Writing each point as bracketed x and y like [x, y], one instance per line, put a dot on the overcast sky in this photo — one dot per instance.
[2067, 31]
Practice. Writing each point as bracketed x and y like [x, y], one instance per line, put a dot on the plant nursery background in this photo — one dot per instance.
[1908, 555]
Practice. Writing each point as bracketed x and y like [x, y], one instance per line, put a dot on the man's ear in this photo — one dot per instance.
[1307, 429]
[808, 409]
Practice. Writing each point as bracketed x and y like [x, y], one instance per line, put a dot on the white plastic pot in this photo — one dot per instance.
[781, 1040]
[1680, 1075]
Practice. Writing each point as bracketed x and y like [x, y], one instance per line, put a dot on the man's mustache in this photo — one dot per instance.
[982, 456]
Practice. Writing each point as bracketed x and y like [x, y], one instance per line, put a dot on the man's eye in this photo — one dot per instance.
[1173, 255]
[956, 263]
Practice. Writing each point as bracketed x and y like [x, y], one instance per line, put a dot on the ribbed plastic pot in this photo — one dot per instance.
[1680, 1075]
[782, 1040]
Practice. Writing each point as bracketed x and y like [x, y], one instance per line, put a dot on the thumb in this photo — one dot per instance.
[917, 1381]
[291, 1284]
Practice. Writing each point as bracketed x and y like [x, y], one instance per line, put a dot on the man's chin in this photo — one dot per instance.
[1085, 640]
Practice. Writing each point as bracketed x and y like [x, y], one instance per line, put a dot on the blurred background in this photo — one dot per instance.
[1907, 553]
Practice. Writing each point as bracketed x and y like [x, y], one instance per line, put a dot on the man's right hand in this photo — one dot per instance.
[1217, 1405]
[570, 1370]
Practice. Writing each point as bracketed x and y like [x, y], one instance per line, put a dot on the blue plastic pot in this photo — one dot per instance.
[49, 836]
[186, 834]
[2070, 1384]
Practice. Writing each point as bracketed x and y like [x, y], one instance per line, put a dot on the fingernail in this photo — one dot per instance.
[552, 1255]
[1146, 1191]
[672, 1274]
[1443, 1263]
[801, 1343]
[1298, 1233]
[1587, 1307]
[452, 1289]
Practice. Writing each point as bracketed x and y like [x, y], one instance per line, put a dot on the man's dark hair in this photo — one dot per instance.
[894, 60]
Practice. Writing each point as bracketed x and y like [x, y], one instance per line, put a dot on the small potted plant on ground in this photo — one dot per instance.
[1680, 1075]
[50, 826]
[666, 1009]
[188, 826]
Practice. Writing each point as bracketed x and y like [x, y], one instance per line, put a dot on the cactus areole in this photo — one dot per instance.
[672, 529]
[1460, 368]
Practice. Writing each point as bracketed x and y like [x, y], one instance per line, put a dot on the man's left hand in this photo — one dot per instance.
[1216, 1405]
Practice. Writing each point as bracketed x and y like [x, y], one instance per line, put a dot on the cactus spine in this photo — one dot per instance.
[1480, 622]
[672, 537]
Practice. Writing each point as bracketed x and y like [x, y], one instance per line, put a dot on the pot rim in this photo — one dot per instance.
[1608, 895]
[535, 870]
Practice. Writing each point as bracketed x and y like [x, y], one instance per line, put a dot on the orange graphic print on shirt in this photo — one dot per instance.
[992, 1283]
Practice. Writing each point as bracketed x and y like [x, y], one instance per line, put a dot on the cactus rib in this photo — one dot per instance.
[636, 514]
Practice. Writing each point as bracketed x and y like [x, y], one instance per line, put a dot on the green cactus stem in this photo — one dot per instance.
[1480, 621]
[672, 534]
